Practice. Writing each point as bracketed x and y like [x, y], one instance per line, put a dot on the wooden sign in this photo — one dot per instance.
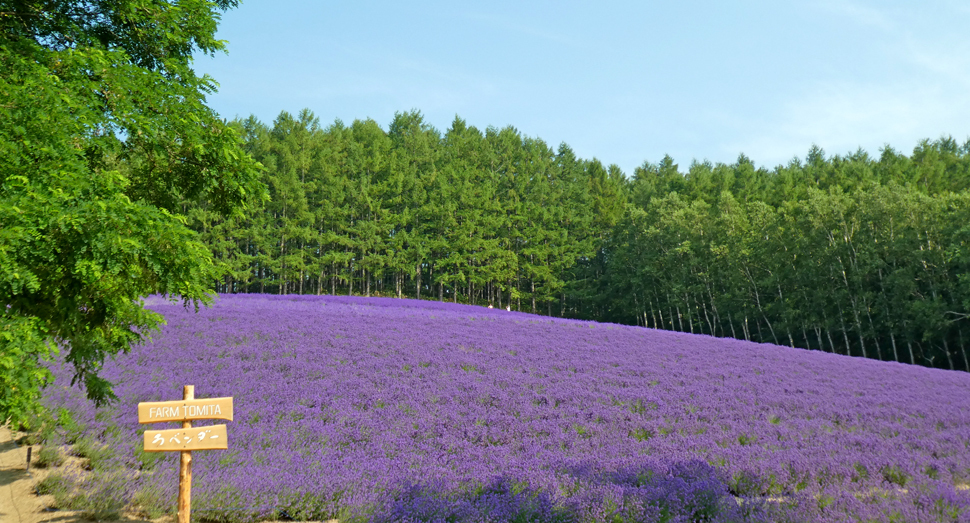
[187, 438]
[212, 437]
[185, 410]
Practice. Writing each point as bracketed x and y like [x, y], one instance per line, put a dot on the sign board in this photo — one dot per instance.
[212, 437]
[185, 410]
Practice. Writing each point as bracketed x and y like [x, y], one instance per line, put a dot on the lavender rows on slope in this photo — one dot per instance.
[404, 410]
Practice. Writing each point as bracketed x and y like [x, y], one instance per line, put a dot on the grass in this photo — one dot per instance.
[48, 456]
[90, 482]
[58, 485]
[96, 454]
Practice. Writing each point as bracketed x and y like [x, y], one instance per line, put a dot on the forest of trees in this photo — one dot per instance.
[847, 254]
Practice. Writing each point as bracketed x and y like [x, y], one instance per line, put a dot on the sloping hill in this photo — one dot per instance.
[390, 409]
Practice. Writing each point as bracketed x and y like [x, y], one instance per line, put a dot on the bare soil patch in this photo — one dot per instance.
[19, 502]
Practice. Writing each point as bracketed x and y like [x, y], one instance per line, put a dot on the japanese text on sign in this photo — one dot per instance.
[212, 437]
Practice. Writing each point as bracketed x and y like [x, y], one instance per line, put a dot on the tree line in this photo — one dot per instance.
[848, 254]
[466, 216]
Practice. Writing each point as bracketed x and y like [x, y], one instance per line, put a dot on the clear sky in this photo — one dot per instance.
[625, 82]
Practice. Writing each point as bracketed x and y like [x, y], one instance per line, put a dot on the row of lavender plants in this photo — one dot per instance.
[369, 409]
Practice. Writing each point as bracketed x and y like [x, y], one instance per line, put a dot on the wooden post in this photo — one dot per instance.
[185, 468]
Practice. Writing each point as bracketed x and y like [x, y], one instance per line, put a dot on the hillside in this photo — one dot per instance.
[385, 409]
[853, 254]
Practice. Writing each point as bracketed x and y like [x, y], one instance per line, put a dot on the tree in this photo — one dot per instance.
[294, 153]
[412, 173]
[104, 132]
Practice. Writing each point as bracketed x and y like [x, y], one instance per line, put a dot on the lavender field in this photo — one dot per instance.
[376, 409]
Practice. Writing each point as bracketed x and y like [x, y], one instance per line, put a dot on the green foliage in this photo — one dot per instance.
[102, 495]
[152, 502]
[480, 217]
[148, 460]
[49, 456]
[745, 439]
[55, 484]
[641, 434]
[96, 454]
[21, 374]
[43, 430]
[72, 430]
[845, 254]
[895, 475]
[103, 133]
[746, 484]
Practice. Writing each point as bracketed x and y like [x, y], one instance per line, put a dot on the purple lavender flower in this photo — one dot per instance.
[402, 410]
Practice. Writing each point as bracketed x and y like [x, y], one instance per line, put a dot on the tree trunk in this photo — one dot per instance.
[872, 327]
[302, 249]
[963, 349]
[417, 283]
[858, 326]
[533, 284]
[690, 314]
[757, 300]
[707, 318]
[845, 334]
[717, 315]
[282, 263]
[949, 357]
[350, 280]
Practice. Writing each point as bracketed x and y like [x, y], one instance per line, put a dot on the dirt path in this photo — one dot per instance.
[18, 502]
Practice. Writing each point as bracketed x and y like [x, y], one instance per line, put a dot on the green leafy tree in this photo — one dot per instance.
[413, 172]
[103, 132]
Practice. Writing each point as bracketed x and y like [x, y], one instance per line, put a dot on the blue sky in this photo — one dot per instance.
[625, 82]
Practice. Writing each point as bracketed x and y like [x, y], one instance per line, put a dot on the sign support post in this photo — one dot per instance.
[185, 467]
